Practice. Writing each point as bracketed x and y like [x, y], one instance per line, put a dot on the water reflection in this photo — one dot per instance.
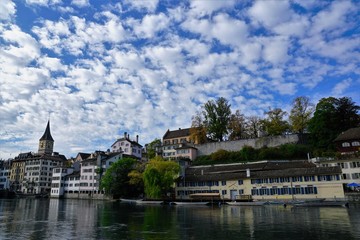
[84, 219]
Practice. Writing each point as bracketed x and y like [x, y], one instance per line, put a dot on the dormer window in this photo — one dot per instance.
[346, 144]
[355, 144]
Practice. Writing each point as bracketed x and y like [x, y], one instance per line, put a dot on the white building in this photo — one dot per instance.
[83, 181]
[58, 181]
[127, 146]
[5, 168]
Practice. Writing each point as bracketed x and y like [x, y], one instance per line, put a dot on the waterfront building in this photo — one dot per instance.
[5, 167]
[127, 146]
[264, 180]
[32, 172]
[83, 178]
[58, 181]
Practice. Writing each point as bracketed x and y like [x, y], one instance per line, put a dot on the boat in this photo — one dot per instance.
[190, 203]
[125, 200]
[323, 204]
[249, 203]
[153, 202]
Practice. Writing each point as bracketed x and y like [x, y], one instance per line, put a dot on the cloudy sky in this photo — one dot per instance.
[99, 68]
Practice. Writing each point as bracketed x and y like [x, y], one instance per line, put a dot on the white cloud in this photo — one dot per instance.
[340, 88]
[43, 2]
[201, 8]
[7, 9]
[80, 3]
[271, 12]
[275, 50]
[219, 29]
[148, 5]
[150, 25]
[332, 18]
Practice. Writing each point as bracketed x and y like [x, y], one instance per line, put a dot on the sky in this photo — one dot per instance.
[100, 68]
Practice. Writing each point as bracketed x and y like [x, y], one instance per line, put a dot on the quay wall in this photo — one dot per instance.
[274, 141]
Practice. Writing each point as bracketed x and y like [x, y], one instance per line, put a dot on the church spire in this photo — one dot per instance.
[47, 134]
[46, 142]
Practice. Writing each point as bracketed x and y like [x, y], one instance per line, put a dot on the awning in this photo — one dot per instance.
[353, 184]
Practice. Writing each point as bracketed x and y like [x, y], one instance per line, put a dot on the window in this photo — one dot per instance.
[355, 143]
[223, 192]
[223, 183]
[241, 191]
[240, 182]
[346, 144]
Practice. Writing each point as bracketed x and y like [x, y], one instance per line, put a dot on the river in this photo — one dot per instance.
[86, 219]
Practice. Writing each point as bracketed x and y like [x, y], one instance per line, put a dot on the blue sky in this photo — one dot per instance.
[102, 68]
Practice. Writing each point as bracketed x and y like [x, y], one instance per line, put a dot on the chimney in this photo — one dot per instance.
[128, 137]
[247, 172]
[125, 133]
[137, 138]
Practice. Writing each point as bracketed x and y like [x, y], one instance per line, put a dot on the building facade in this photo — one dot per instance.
[31, 173]
[5, 169]
[176, 145]
[127, 146]
[282, 180]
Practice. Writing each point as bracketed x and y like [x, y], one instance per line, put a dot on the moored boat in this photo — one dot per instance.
[190, 203]
[323, 204]
[250, 203]
[125, 200]
[154, 202]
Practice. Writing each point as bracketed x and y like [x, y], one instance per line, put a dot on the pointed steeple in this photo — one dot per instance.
[47, 134]
[46, 142]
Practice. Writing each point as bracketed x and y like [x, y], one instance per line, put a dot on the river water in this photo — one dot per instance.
[86, 219]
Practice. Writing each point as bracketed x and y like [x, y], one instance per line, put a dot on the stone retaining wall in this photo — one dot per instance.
[208, 148]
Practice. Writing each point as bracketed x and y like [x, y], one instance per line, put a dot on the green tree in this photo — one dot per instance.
[159, 177]
[300, 114]
[216, 118]
[274, 124]
[116, 180]
[331, 117]
[151, 148]
[236, 126]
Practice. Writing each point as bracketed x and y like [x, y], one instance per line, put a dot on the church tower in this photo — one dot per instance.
[46, 142]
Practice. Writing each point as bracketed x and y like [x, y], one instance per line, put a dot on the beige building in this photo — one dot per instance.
[177, 145]
[265, 180]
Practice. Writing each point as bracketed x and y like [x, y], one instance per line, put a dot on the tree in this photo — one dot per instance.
[198, 130]
[159, 176]
[151, 148]
[253, 126]
[347, 114]
[274, 123]
[216, 118]
[116, 180]
[300, 114]
[331, 117]
[236, 126]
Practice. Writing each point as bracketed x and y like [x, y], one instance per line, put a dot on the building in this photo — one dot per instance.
[5, 167]
[265, 180]
[177, 145]
[31, 173]
[348, 142]
[127, 146]
[83, 181]
[348, 147]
